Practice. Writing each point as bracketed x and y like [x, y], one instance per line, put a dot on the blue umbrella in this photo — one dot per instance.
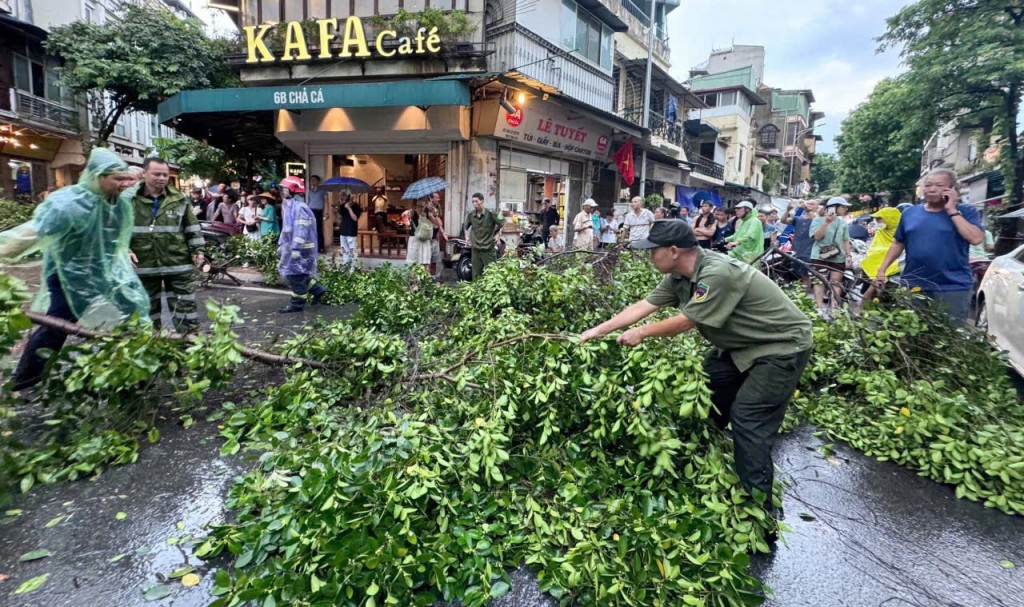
[425, 187]
[337, 184]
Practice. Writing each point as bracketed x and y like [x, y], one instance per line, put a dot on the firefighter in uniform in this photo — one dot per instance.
[166, 242]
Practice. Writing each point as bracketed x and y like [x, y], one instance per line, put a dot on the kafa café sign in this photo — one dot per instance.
[350, 32]
[550, 126]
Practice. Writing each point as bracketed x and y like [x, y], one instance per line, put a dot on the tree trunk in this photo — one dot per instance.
[109, 123]
[1008, 239]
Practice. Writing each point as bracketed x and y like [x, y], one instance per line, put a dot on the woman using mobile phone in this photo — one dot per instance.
[831, 253]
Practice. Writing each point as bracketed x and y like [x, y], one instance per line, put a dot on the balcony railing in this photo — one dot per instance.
[708, 167]
[28, 106]
[631, 12]
[671, 132]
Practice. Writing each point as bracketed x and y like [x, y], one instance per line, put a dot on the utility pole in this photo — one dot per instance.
[647, 98]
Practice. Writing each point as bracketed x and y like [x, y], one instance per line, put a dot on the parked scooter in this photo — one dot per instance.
[460, 259]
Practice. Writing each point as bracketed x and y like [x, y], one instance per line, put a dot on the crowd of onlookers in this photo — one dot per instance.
[929, 244]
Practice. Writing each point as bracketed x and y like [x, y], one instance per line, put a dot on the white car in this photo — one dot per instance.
[1001, 305]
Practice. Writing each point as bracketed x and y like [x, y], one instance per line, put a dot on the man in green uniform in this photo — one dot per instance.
[760, 340]
[165, 243]
[484, 226]
[747, 243]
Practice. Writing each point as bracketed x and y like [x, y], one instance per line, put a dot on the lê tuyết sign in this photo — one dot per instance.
[353, 38]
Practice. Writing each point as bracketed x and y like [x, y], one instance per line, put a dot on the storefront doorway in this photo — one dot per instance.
[384, 224]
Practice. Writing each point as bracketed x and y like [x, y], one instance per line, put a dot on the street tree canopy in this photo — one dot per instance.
[824, 171]
[137, 61]
[966, 57]
[879, 143]
[197, 159]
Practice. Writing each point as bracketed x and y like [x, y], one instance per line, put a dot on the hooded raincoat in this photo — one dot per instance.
[749, 238]
[85, 239]
[880, 244]
[297, 245]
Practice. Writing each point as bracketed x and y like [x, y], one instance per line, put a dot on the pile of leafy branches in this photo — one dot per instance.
[91, 414]
[260, 253]
[14, 213]
[902, 384]
[440, 450]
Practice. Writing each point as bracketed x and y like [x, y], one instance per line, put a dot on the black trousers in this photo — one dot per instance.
[301, 285]
[32, 365]
[754, 401]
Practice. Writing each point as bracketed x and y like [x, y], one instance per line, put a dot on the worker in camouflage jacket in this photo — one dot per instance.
[166, 242]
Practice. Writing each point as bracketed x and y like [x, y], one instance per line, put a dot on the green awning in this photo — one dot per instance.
[319, 96]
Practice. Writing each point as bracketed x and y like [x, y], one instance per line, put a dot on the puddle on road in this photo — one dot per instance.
[179, 482]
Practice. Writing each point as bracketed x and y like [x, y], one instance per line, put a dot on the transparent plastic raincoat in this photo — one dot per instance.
[296, 247]
[85, 241]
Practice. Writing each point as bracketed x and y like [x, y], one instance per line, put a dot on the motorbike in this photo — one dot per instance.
[460, 259]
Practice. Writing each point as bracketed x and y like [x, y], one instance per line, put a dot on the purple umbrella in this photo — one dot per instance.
[338, 184]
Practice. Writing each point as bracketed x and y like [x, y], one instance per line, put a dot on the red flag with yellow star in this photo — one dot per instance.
[623, 158]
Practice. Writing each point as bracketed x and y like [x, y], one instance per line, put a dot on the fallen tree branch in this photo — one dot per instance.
[446, 374]
[267, 358]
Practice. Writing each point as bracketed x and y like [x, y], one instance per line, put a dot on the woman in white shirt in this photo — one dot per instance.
[609, 230]
[247, 216]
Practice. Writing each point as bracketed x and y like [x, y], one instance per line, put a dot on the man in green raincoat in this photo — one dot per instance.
[84, 233]
[747, 243]
[165, 243]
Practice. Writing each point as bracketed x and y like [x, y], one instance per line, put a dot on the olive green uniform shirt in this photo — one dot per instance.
[736, 308]
[483, 226]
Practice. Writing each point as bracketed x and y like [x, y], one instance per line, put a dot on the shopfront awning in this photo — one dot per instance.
[243, 118]
[311, 97]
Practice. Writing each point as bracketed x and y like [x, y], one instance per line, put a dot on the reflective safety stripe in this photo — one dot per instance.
[164, 270]
[190, 316]
[196, 242]
[152, 229]
[308, 245]
[194, 228]
[303, 222]
[191, 297]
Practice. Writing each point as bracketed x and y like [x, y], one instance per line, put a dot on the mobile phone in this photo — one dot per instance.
[832, 212]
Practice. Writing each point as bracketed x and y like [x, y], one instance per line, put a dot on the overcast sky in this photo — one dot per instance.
[827, 46]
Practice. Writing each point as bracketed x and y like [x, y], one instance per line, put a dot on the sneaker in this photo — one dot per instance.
[290, 308]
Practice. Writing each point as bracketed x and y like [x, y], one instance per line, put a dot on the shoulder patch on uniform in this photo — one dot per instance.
[701, 292]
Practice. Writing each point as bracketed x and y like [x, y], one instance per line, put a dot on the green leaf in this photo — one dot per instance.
[35, 555]
[154, 435]
[373, 589]
[499, 588]
[181, 572]
[1007, 564]
[156, 592]
[32, 584]
[55, 521]
[121, 516]
[118, 557]
[26, 483]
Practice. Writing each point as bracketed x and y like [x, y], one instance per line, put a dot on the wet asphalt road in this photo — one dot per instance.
[864, 533]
